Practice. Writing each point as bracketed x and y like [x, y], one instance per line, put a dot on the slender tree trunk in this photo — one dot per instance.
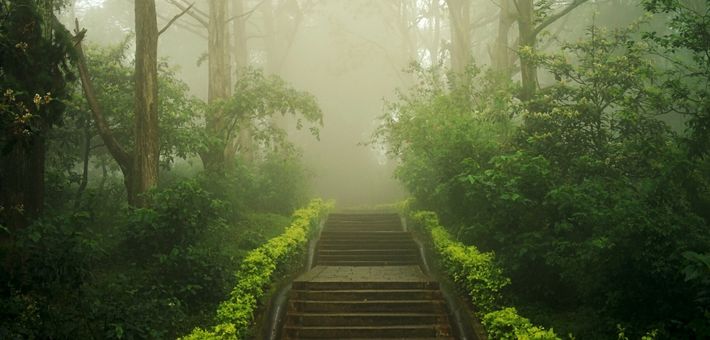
[436, 36]
[147, 147]
[86, 152]
[501, 55]
[460, 16]
[241, 56]
[528, 69]
[219, 85]
[267, 9]
[22, 182]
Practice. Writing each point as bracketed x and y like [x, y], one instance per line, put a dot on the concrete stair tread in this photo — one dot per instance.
[365, 290]
[365, 327]
[367, 284]
[364, 314]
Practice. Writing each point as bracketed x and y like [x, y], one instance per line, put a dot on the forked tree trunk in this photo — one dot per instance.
[139, 168]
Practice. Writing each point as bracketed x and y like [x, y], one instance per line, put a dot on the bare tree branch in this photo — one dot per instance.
[195, 14]
[556, 16]
[194, 29]
[175, 18]
[246, 14]
[196, 9]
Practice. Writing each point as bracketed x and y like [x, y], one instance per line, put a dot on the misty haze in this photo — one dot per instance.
[349, 169]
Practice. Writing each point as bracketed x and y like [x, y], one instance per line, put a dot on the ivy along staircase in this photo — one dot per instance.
[366, 283]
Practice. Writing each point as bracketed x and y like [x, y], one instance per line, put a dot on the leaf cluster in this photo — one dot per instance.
[481, 279]
[256, 273]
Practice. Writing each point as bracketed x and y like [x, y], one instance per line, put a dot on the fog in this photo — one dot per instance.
[350, 54]
[346, 53]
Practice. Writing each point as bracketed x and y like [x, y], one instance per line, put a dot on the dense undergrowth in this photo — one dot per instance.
[92, 267]
[596, 209]
[117, 272]
[258, 271]
[478, 276]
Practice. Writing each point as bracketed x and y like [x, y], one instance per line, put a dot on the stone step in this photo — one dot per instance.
[366, 294]
[395, 299]
[365, 240]
[359, 216]
[371, 246]
[360, 241]
[361, 263]
[356, 285]
[396, 221]
[352, 255]
[390, 306]
[366, 234]
[354, 228]
[332, 223]
[331, 246]
[367, 257]
[369, 252]
[365, 319]
[344, 332]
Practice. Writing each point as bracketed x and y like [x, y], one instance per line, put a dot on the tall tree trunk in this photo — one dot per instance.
[147, 147]
[436, 35]
[239, 35]
[85, 154]
[460, 17]
[219, 85]
[241, 60]
[22, 182]
[528, 69]
[501, 55]
[267, 10]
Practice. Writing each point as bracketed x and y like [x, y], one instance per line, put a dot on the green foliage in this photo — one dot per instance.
[42, 278]
[171, 265]
[281, 183]
[278, 183]
[587, 198]
[482, 280]
[506, 324]
[443, 127]
[257, 102]
[475, 272]
[256, 273]
[34, 49]
[112, 74]
[144, 273]
[686, 45]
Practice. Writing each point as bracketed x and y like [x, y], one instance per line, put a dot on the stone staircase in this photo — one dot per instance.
[366, 283]
[365, 240]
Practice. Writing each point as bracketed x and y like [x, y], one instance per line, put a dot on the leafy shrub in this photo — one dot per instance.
[281, 182]
[588, 199]
[42, 278]
[473, 271]
[477, 275]
[506, 324]
[256, 273]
